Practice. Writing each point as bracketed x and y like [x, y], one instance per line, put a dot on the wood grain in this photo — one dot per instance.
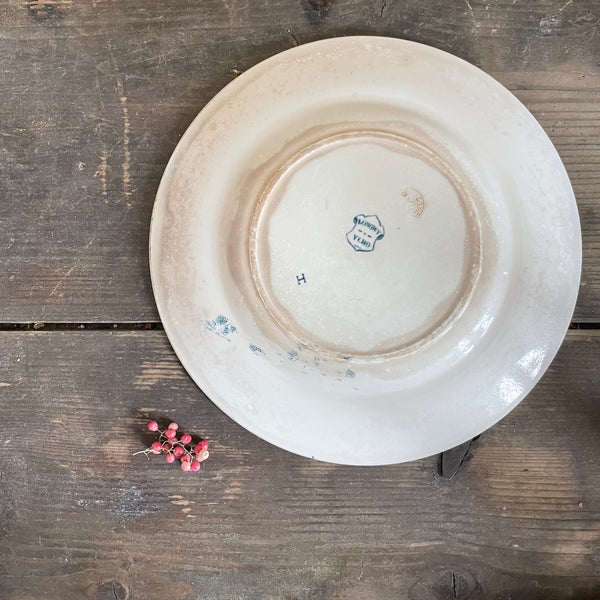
[80, 517]
[96, 94]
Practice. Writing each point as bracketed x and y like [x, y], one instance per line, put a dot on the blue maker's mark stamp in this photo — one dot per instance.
[366, 231]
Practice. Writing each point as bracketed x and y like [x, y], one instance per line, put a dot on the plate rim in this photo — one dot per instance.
[205, 384]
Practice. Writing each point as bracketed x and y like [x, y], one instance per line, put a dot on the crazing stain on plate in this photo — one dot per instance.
[428, 265]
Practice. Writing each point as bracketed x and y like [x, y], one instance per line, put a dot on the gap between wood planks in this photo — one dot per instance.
[43, 326]
[151, 325]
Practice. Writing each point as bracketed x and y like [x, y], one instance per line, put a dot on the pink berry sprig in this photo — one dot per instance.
[190, 456]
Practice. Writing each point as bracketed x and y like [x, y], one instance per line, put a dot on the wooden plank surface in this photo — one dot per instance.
[96, 94]
[80, 517]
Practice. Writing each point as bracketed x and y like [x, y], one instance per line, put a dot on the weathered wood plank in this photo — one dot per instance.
[81, 518]
[96, 94]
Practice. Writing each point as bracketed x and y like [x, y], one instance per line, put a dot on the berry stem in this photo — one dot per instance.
[142, 452]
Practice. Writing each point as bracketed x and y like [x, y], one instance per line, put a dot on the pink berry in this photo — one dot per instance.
[167, 446]
[195, 465]
[202, 456]
[185, 458]
[186, 466]
[153, 426]
[178, 452]
[173, 426]
[156, 447]
[170, 458]
[186, 438]
[200, 446]
[170, 433]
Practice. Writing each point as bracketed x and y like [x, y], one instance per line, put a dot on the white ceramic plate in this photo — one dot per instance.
[365, 250]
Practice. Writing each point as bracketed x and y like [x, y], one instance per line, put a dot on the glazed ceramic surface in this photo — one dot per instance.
[365, 250]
